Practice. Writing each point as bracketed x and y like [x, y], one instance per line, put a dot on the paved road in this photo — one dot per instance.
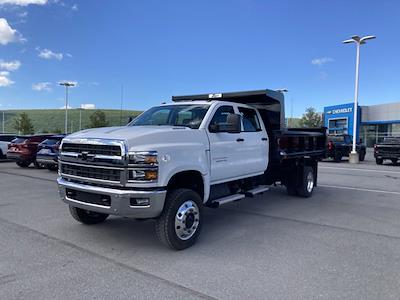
[343, 243]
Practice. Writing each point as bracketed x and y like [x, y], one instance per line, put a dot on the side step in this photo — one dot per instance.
[258, 190]
[217, 202]
[250, 193]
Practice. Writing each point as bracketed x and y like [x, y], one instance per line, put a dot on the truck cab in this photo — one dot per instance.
[176, 158]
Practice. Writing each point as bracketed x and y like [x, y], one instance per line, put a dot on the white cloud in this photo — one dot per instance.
[10, 65]
[88, 106]
[321, 61]
[5, 81]
[75, 7]
[63, 107]
[23, 2]
[68, 55]
[5, 68]
[23, 14]
[42, 86]
[48, 54]
[8, 34]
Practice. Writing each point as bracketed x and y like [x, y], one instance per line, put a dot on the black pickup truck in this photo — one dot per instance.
[388, 149]
[341, 145]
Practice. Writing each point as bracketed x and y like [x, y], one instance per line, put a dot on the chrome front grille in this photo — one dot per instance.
[92, 172]
[92, 149]
[94, 160]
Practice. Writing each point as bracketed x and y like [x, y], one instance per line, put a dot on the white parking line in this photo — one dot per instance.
[358, 189]
[358, 169]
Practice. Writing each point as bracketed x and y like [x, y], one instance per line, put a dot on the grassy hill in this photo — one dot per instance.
[52, 120]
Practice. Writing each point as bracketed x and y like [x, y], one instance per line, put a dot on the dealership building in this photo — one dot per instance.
[373, 122]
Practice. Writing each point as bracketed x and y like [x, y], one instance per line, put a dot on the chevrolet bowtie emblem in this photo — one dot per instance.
[85, 155]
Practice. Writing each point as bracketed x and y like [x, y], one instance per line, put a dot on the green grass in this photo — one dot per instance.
[53, 120]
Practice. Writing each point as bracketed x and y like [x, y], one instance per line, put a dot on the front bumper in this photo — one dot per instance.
[120, 203]
[47, 159]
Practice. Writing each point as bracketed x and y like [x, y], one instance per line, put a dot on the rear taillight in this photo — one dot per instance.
[330, 145]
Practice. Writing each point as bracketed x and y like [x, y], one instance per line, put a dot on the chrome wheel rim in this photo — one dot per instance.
[310, 182]
[187, 220]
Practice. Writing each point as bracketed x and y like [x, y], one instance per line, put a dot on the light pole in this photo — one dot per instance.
[67, 85]
[3, 121]
[353, 158]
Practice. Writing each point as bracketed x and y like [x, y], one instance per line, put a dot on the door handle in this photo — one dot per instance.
[239, 140]
[264, 139]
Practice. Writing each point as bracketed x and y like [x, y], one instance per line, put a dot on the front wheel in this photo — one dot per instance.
[307, 183]
[180, 223]
[86, 216]
[379, 161]
[394, 161]
[52, 167]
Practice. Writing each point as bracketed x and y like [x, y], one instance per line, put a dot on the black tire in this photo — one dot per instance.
[307, 183]
[291, 189]
[361, 156]
[337, 157]
[2, 156]
[38, 165]
[52, 167]
[23, 163]
[165, 224]
[379, 161]
[86, 216]
[394, 161]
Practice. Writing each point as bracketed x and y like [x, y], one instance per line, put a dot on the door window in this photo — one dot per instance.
[221, 115]
[249, 119]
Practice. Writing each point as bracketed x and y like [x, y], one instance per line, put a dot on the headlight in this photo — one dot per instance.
[143, 158]
[143, 166]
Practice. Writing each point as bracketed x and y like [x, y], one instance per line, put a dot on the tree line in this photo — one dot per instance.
[23, 124]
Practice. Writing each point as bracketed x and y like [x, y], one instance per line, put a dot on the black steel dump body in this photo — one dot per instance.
[284, 143]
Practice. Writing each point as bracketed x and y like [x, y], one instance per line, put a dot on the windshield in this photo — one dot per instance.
[172, 115]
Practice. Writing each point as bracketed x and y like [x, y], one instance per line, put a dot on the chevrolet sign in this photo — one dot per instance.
[340, 111]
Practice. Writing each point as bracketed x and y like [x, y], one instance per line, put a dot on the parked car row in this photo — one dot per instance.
[40, 150]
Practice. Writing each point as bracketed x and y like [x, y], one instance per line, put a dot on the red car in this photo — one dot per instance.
[23, 149]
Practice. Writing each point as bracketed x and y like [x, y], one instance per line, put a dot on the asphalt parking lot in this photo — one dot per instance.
[343, 243]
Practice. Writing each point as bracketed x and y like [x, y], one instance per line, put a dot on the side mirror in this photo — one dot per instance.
[130, 119]
[232, 125]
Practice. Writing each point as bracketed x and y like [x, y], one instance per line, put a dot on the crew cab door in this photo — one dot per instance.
[255, 142]
[225, 148]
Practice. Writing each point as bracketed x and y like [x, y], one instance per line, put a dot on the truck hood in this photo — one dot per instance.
[122, 132]
[146, 137]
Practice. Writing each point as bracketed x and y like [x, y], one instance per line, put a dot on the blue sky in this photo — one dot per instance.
[161, 48]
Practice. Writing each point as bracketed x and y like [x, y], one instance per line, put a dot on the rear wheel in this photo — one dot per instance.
[307, 183]
[86, 216]
[180, 223]
[23, 163]
[379, 161]
[394, 160]
[337, 157]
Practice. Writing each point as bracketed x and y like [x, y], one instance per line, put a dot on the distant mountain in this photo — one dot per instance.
[52, 120]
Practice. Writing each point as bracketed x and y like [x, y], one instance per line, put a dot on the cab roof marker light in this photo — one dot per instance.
[215, 96]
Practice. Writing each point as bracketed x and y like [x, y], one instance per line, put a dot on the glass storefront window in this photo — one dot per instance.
[374, 133]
